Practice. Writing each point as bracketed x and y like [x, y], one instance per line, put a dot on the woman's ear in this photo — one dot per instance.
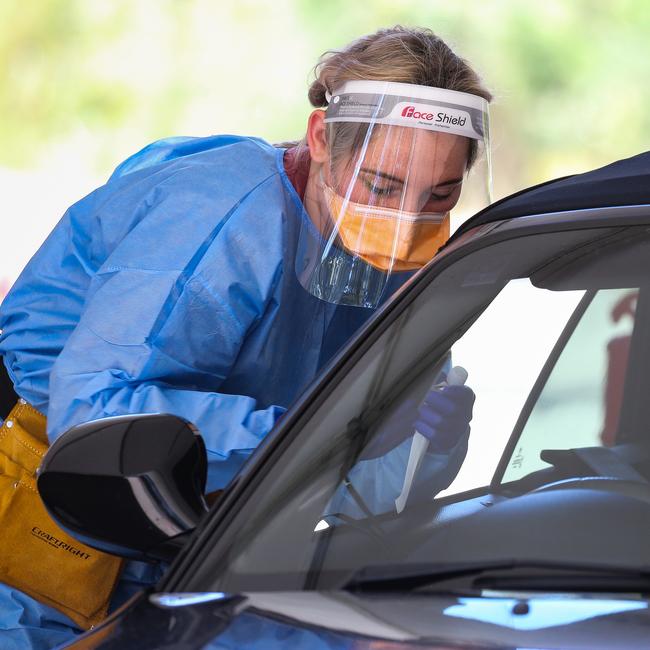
[316, 138]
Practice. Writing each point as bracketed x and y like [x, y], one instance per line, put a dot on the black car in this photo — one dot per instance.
[542, 540]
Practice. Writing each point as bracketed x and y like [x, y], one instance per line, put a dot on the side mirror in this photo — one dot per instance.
[130, 485]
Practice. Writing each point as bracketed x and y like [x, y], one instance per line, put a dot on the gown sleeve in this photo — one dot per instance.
[372, 486]
[163, 323]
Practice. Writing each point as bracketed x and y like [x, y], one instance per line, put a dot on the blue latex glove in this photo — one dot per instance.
[443, 417]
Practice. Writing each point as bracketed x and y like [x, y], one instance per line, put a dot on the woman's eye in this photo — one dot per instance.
[379, 190]
[452, 193]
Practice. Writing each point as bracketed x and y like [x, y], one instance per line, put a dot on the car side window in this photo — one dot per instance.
[580, 401]
[504, 352]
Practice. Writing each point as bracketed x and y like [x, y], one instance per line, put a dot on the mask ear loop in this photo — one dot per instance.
[321, 179]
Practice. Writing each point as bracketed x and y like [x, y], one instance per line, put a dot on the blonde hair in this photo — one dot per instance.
[403, 54]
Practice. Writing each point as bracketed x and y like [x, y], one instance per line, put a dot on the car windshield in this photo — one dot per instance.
[552, 330]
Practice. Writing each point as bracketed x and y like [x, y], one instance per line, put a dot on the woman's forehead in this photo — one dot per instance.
[405, 151]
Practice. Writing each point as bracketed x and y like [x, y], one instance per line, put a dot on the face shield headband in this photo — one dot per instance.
[401, 156]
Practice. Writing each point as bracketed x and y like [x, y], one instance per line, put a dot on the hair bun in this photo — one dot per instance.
[316, 94]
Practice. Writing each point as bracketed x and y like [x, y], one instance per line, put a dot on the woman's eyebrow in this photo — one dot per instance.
[396, 179]
[376, 172]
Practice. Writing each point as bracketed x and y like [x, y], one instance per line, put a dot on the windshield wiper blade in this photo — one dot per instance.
[569, 581]
[531, 575]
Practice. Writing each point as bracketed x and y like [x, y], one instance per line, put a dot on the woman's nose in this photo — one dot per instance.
[414, 201]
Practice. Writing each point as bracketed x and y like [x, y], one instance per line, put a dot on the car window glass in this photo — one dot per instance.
[504, 352]
[580, 403]
[319, 510]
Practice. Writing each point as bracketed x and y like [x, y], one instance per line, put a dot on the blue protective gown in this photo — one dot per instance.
[172, 288]
[161, 292]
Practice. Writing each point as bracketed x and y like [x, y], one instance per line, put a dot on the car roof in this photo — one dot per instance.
[622, 183]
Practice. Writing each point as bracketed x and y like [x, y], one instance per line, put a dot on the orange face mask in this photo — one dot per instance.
[386, 238]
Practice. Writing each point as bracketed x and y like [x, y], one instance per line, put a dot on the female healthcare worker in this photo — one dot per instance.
[213, 277]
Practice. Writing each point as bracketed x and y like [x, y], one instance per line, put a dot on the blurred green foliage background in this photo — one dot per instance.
[84, 83]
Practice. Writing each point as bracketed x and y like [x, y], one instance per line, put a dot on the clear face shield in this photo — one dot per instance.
[402, 159]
